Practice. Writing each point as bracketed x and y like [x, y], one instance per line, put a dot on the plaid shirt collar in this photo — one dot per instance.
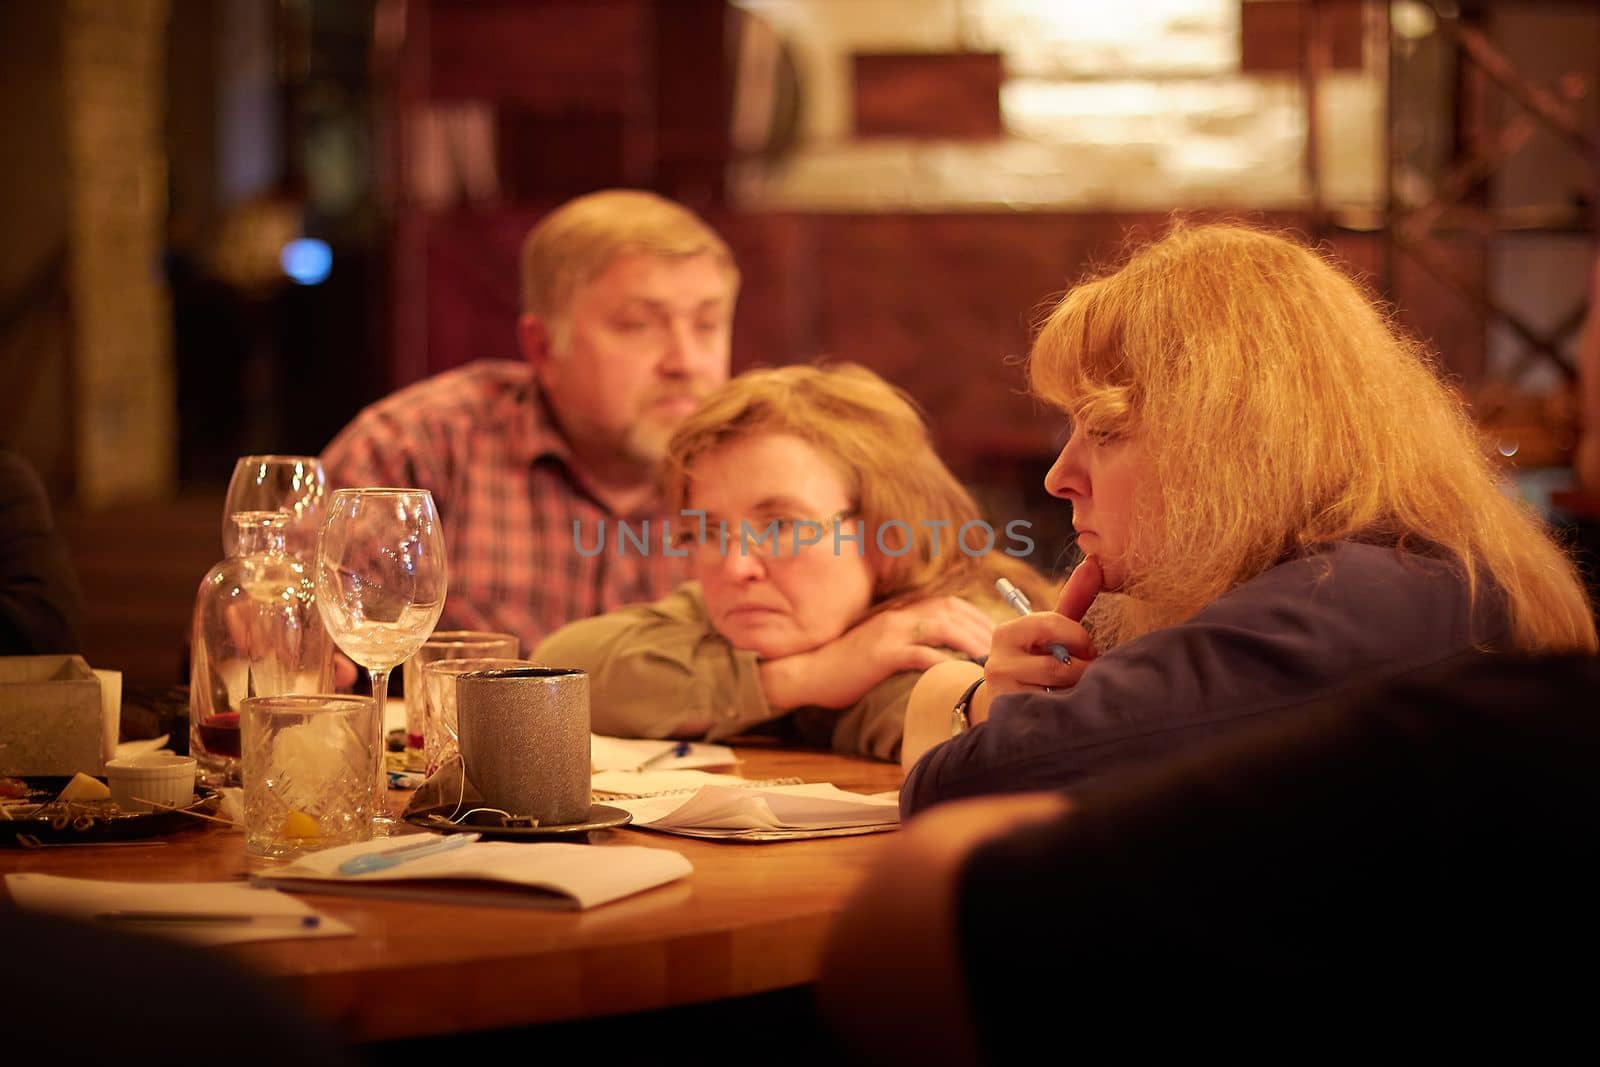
[539, 438]
[537, 434]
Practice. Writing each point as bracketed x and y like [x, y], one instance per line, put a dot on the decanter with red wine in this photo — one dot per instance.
[257, 632]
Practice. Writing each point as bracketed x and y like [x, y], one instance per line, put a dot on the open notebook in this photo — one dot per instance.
[610, 786]
[540, 875]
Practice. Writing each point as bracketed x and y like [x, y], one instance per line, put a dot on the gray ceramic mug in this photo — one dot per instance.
[525, 740]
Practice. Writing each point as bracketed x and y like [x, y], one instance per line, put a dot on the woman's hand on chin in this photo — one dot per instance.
[1021, 657]
[840, 672]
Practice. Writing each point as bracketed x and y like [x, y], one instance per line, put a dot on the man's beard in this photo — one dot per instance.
[645, 442]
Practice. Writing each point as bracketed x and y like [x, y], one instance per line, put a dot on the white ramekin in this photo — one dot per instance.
[164, 778]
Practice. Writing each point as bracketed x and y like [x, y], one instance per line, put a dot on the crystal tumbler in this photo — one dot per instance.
[309, 762]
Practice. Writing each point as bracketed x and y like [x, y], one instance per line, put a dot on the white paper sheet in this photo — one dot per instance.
[110, 709]
[541, 874]
[626, 754]
[142, 746]
[231, 912]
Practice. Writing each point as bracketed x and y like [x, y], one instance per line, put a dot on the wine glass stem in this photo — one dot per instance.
[380, 785]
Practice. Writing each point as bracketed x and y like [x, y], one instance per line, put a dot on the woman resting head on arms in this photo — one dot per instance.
[829, 635]
[1276, 498]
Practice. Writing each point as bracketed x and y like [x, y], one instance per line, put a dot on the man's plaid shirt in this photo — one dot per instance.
[480, 439]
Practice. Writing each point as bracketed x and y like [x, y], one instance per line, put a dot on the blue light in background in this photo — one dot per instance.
[307, 260]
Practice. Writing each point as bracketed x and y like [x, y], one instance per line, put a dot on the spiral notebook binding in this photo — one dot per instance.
[752, 783]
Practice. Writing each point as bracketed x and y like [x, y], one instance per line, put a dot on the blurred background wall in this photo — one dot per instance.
[232, 223]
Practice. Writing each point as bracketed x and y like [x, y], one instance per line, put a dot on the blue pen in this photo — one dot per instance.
[1019, 603]
[677, 751]
[378, 861]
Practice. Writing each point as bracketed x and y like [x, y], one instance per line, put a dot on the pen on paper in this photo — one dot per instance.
[377, 861]
[1019, 603]
[205, 917]
[677, 751]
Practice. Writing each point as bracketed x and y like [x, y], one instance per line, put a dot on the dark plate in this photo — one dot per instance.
[493, 826]
[87, 824]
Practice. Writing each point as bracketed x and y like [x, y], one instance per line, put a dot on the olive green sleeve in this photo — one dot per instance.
[660, 670]
[873, 725]
[870, 727]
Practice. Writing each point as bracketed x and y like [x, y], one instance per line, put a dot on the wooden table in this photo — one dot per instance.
[749, 919]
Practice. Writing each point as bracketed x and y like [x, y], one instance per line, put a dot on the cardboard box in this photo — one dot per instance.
[52, 719]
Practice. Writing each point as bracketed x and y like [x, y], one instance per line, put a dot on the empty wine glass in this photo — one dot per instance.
[381, 580]
[295, 484]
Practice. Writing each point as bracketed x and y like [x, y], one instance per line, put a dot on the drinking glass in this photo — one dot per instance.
[441, 729]
[444, 644]
[294, 484]
[381, 579]
[307, 772]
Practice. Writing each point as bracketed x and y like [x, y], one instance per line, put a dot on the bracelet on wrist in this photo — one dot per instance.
[958, 714]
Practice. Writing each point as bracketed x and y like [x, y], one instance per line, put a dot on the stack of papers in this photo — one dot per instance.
[511, 873]
[203, 913]
[772, 813]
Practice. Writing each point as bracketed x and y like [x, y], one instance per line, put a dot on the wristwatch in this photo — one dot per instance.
[958, 714]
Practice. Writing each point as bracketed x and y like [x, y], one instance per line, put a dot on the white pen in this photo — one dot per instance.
[377, 861]
[1019, 603]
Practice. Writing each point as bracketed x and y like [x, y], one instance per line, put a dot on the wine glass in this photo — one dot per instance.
[295, 484]
[381, 579]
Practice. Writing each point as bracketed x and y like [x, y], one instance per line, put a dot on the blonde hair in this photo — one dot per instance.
[877, 438]
[574, 244]
[1281, 411]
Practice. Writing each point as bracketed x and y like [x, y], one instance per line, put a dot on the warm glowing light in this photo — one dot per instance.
[1412, 19]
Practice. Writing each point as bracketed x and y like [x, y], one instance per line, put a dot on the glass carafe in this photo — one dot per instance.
[257, 632]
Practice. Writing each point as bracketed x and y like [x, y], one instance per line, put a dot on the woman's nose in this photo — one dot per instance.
[1067, 476]
[741, 562]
